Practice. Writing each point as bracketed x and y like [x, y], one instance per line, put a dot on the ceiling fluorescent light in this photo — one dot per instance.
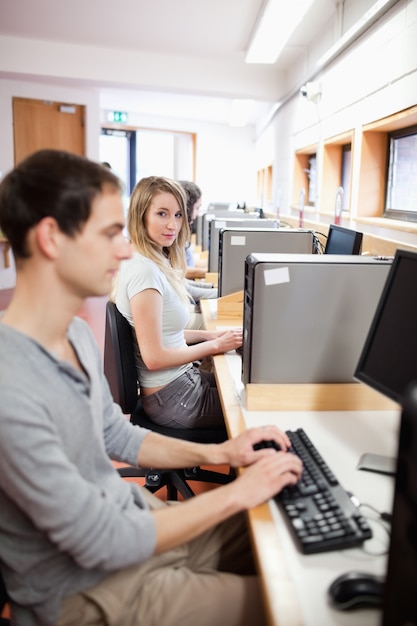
[278, 21]
[240, 111]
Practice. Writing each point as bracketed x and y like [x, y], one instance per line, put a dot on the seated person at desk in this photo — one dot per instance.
[193, 195]
[78, 544]
[196, 290]
[151, 294]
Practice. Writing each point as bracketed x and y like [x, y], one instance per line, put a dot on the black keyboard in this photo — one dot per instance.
[320, 512]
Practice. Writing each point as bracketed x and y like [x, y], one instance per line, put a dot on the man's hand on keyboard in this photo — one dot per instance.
[268, 476]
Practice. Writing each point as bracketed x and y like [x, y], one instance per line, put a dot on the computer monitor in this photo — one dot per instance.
[235, 244]
[306, 316]
[400, 597]
[343, 241]
[220, 213]
[220, 207]
[217, 224]
[388, 361]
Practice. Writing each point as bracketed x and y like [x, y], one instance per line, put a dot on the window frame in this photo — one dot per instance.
[392, 213]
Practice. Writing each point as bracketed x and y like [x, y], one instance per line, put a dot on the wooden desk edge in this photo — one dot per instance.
[273, 572]
[212, 277]
[317, 397]
[230, 306]
[282, 607]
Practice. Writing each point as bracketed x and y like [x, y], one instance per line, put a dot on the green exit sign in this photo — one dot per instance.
[117, 116]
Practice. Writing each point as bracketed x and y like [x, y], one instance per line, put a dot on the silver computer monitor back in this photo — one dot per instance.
[219, 223]
[235, 244]
[222, 212]
[306, 317]
[212, 208]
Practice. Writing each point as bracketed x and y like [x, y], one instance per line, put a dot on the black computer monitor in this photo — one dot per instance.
[343, 241]
[400, 592]
[388, 362]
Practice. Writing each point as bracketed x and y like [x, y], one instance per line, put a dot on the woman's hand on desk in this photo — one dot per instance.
[220, 340]
[228, 340]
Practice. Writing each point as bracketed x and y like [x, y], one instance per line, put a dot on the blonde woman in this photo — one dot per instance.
[151, 294]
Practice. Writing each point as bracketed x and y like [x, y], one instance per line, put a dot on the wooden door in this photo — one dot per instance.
[41, 124]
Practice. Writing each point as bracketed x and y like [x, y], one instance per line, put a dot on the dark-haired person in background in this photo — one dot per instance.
[193, 194]
[197, 290]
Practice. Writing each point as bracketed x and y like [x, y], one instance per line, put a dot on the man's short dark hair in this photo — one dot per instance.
[50, 183]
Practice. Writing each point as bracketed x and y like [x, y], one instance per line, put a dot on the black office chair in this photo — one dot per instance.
[4, 621]
[120, 371]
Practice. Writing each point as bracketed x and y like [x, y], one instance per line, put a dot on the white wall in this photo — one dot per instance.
[377, 76]
[374, 78]
[225, 164]
[156, 71]
[55, 93]
[9, 89]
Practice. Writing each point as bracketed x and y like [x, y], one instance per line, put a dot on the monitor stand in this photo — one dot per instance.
[377, 463]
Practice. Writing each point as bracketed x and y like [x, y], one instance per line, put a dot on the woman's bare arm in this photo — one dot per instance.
[146, 309]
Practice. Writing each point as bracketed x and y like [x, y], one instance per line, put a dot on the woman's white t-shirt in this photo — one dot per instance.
[137, 274]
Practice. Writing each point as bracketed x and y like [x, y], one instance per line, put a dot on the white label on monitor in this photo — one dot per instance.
[236, 240]
[218, 224]
[276, 276]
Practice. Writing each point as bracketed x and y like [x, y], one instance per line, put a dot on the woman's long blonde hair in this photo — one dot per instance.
[172, 261]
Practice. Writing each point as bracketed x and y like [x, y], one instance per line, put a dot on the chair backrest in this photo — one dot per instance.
[120, 371]
[3, 594]
[119, 359]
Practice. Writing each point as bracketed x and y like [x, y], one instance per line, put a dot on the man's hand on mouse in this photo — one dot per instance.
[241, 452]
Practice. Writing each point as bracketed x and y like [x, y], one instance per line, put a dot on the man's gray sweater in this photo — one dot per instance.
[67, 519]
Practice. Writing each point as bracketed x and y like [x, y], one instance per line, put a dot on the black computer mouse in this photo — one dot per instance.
[266, 443]
[355, 590]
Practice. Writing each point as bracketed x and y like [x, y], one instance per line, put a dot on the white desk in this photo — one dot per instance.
[295, 585]
[341, 437]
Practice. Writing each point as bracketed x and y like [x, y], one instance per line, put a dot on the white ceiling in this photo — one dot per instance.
[208, 33]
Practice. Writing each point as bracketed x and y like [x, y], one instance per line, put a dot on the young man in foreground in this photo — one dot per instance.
[78, 544]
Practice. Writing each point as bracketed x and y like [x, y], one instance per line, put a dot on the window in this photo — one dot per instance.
[401, 193]
[164, 153]
[336, 178]
[305, 177]
[114, 149]
[312, 179]
[346, 174]
[134, 154]
[264, 188]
